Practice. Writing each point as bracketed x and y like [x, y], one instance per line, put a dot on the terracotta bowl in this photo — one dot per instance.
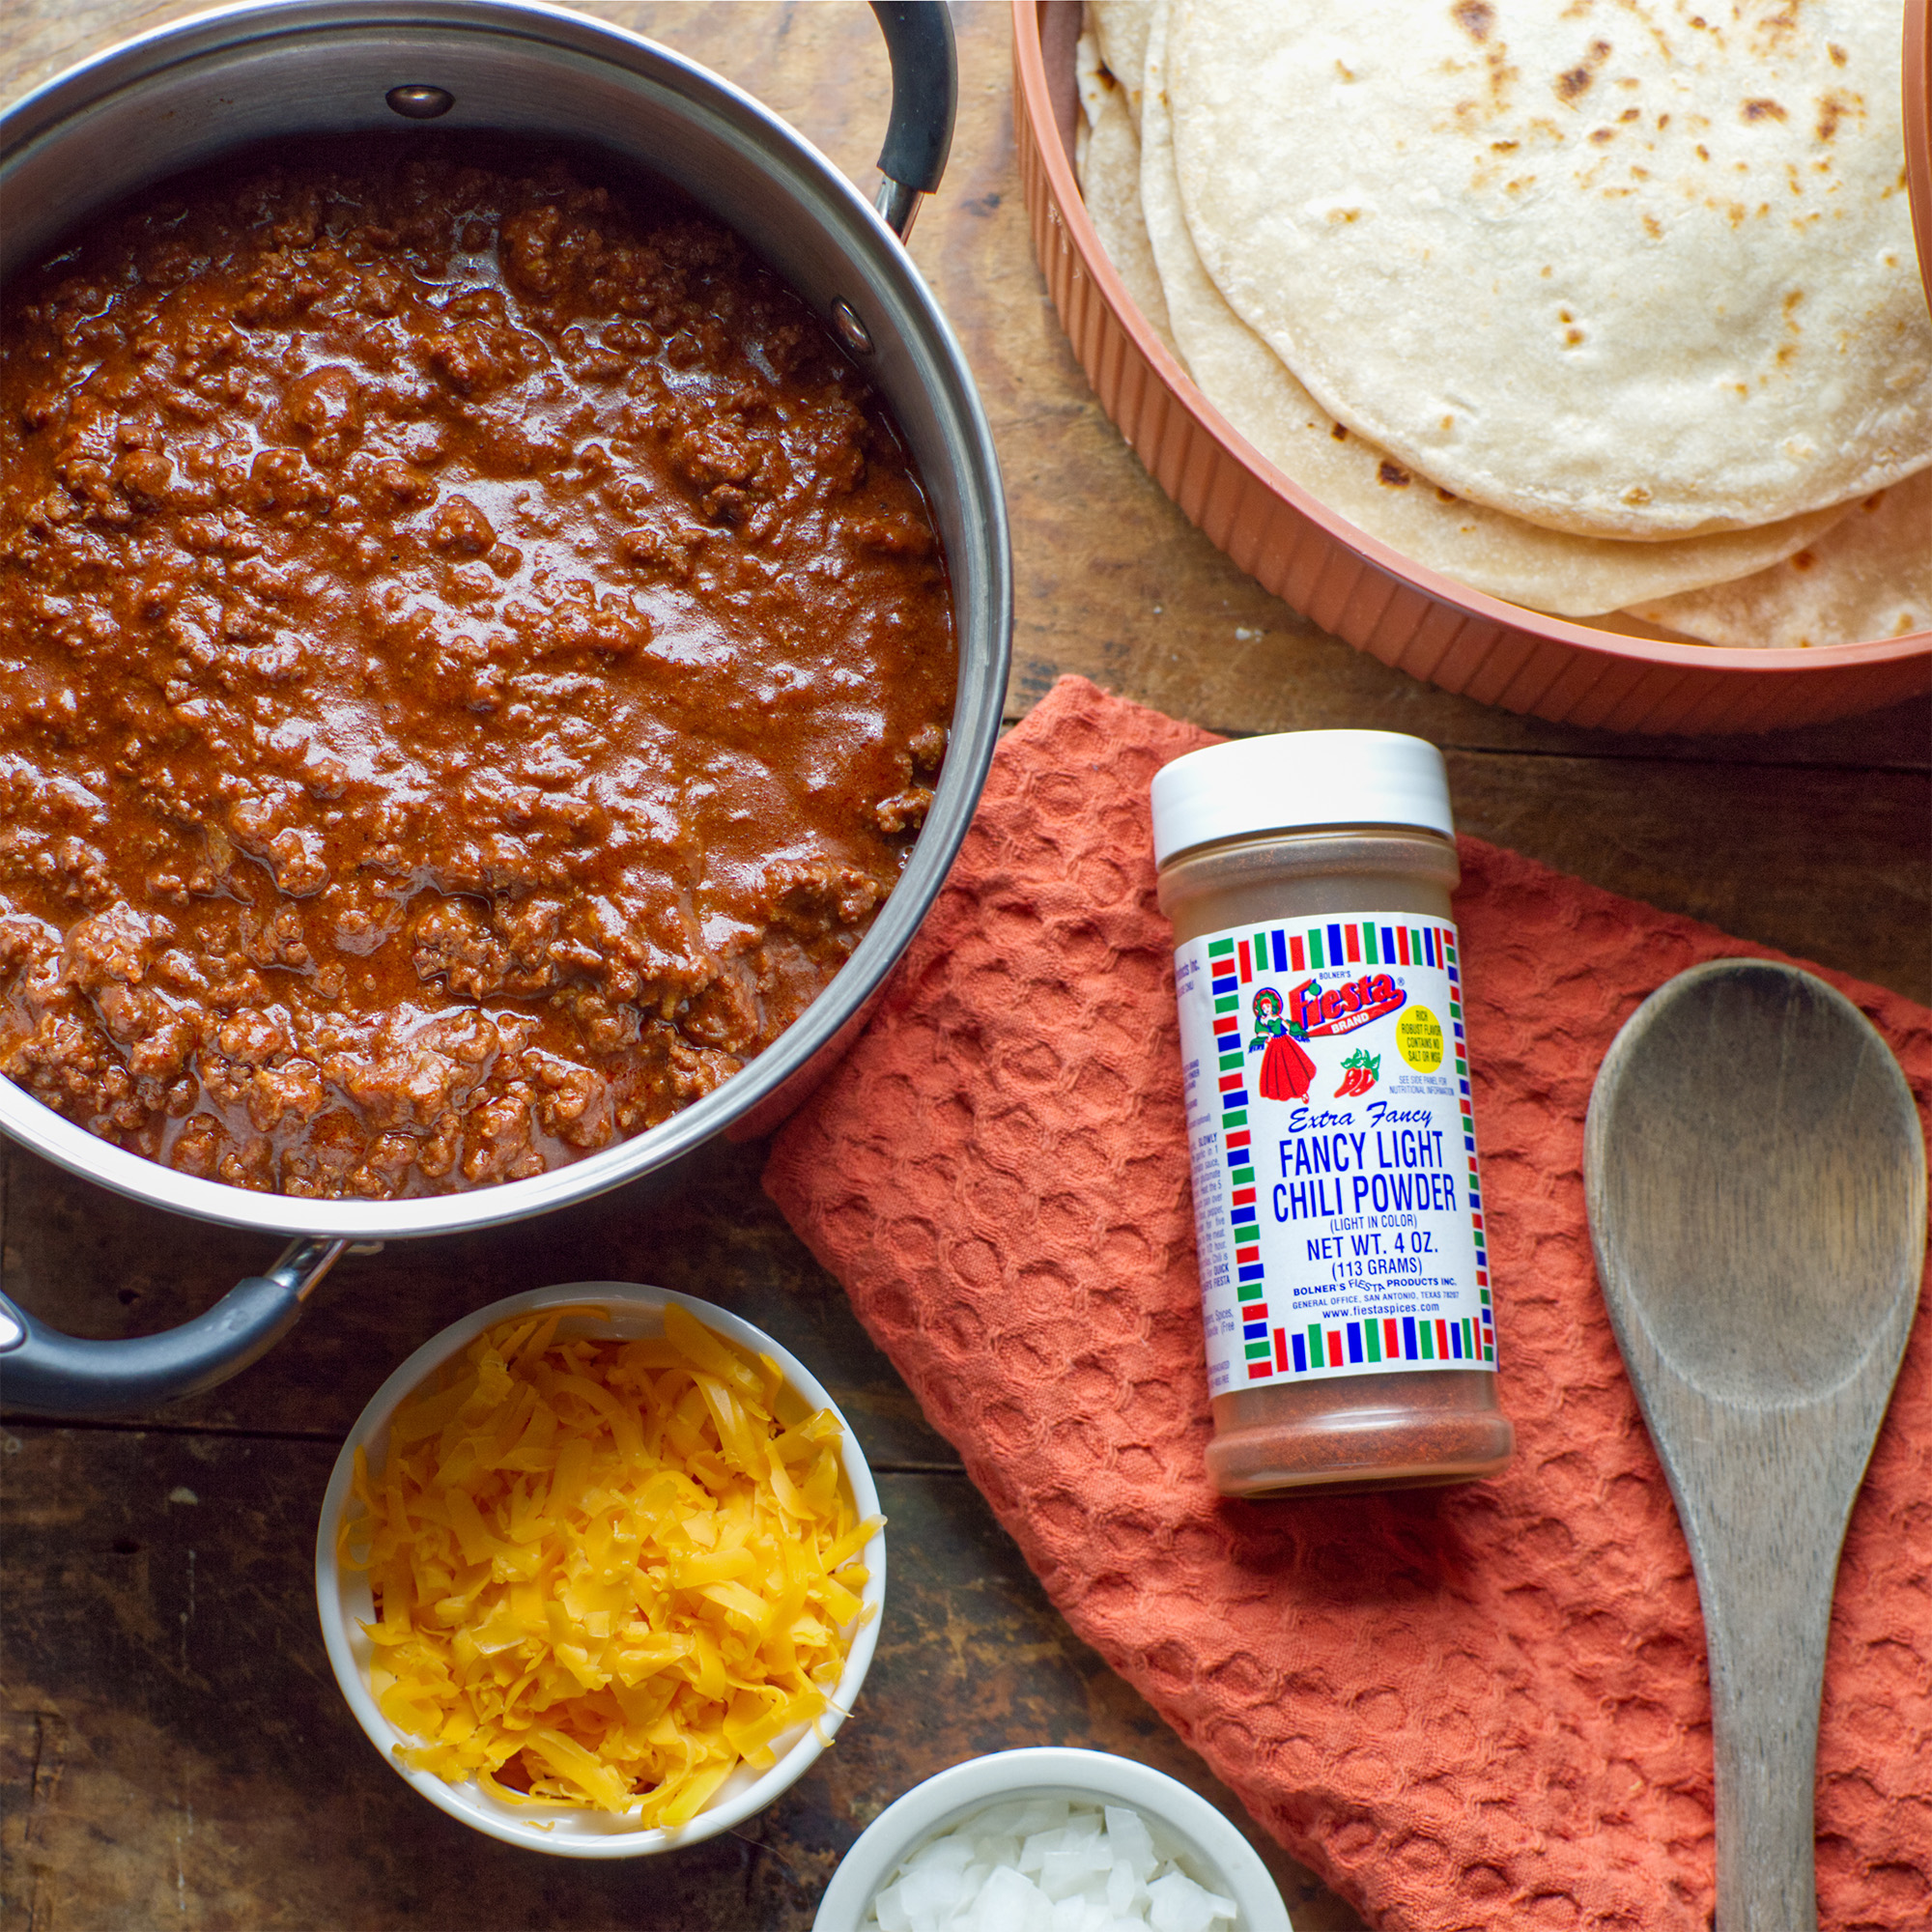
[1374, 597]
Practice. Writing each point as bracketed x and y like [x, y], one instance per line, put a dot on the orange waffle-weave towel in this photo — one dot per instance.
[1476, 1706]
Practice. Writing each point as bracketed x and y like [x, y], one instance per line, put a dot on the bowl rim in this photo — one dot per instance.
[1038, 124]
[1039, 1771]
[621, 1300]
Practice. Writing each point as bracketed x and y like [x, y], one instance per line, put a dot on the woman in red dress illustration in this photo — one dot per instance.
[1287, 1071]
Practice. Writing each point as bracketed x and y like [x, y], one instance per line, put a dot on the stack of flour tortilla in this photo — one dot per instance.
[1610, 309]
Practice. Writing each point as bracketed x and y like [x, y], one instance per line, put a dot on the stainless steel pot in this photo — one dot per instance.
[178, 97]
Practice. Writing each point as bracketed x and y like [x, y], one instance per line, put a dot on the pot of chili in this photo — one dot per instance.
[221, 85]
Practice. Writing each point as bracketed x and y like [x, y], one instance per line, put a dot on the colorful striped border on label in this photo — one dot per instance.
[1487, 1337]
[1313, 948]
[1405, 1338]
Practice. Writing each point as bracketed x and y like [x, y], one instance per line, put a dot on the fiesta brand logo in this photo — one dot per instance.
[1343, 1008]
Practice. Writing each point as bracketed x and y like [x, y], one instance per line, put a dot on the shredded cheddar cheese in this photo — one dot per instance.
[606, 1573]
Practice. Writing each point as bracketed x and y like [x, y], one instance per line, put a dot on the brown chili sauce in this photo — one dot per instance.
[474, 658]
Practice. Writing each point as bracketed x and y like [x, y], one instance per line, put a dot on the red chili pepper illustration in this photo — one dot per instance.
[1360, 1071]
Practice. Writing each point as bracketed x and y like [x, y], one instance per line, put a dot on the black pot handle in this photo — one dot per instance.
[925, 98]
[46, 1372]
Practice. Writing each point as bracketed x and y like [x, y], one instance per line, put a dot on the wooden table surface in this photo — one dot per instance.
[173, 1749]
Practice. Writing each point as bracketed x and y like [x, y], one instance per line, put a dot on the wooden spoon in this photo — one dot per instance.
[1755, 1178]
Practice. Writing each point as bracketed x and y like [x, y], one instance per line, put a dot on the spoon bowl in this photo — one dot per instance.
[1754, 1173]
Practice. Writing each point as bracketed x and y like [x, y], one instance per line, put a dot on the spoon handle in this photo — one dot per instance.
[1765, 1575]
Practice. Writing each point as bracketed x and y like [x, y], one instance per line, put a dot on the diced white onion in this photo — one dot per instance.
[1047, 1864]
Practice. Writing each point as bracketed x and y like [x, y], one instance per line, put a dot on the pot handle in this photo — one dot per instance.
[46, 1372]
[925, 96]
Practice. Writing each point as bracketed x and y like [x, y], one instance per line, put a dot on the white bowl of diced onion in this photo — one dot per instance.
[624, 1310]
[1051, 1839]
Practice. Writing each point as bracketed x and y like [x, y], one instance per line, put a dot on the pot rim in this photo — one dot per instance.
[986, 568]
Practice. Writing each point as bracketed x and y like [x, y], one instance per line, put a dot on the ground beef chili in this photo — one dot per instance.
[475, 657]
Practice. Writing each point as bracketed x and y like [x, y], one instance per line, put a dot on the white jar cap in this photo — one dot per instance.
[1295, 781]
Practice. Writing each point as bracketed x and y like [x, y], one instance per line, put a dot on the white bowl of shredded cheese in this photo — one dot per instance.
[583, 1586]
[1048, 1837]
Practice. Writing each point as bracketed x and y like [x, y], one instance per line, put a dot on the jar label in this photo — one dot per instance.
[1337, 1203]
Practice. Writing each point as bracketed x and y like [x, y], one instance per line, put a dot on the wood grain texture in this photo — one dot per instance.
[207, 1774]
[196, 1758]
[176, 1752]
[1755, 1176]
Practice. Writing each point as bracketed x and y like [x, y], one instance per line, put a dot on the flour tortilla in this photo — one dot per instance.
[1120, 29]
[1109, 167]
[1868, 577]
[1601, 265]
[1574, 576]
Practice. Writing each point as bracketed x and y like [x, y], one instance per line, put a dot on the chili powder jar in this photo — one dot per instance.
[1345, 1271]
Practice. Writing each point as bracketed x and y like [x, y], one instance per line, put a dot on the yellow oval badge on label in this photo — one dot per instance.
[1418, 1033]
